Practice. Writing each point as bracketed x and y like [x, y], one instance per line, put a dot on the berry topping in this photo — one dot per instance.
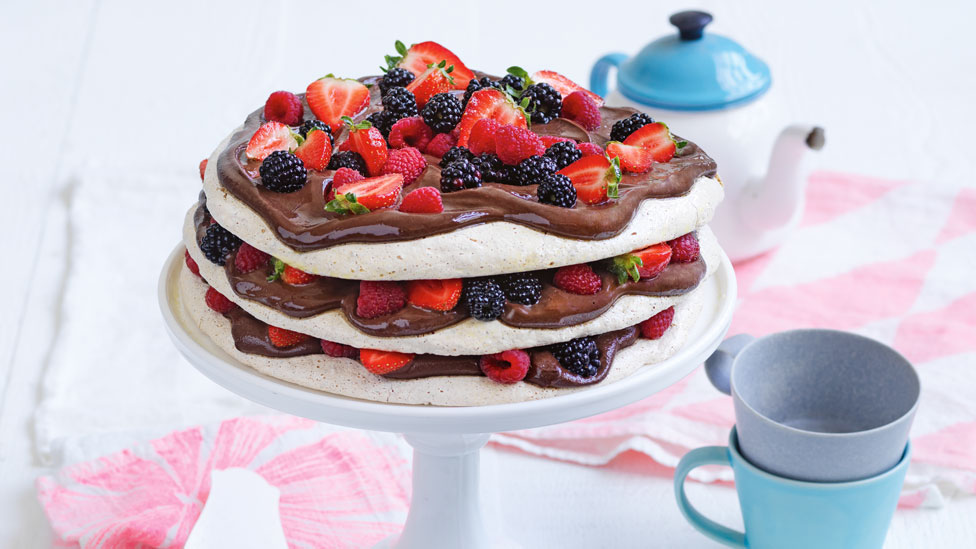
[359, 197]
[332, 98]
[589, 149]
[436, 295]
[545, 103]
[313, 124]
[249, 258]
[579, 356]
[557, 190]
[482, 138]
[582, 109]
[347, 159]
[633, 159]
[684, 249]
[281, 337]
[440, 144]
[578, 279]
[203, 168]
[493, 104]
[655, 138]
[217, 243]
[395, 77]
[216, 301]
[564, 86]
[295, 277]
[346, 175]
[550, 140]
[338, 350]
[477, 84]
[442, 112]
[382, 121]
[190, 263]
[456, 153]
[643, 263]
[418, 57]
[379, 298]
[410, 132]
[533, 170]
[514, 144]
[595, 178]
[408, 162]
[523, 288]
[459, 175]
[422, 200]
[316, 152]
[436, 79]
[367, 142]
[383, 362]
[505, 367]
[284, 107]
[270, 137]
[564, 153]
[492, 168]
[283, 172]
[623, 128]
[399, 102]
[484, 298]
[654, 327]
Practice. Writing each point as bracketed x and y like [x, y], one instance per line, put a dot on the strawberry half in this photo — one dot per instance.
[643, 263]
[331, 98]
[633, 159]
[418, 57]
[564, 85]
[383, 362]
[492, 104]
[316, 151]
[369, 143]
[361, 196]
[437, 295]
[596, 178]
[281, 337]
[434, 80]
[655, 138]
[270, 137]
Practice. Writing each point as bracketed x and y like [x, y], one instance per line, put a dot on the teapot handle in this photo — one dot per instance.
[601, 70]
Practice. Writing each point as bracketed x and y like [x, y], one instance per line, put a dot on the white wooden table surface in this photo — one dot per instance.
[111, 86]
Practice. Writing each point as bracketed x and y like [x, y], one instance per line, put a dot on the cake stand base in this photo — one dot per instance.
[445, 510]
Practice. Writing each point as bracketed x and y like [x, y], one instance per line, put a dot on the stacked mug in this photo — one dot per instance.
[820, 447]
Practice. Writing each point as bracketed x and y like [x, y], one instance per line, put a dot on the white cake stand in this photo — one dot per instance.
[445, 508]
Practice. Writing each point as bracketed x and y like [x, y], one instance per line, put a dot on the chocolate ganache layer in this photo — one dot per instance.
[299, 219]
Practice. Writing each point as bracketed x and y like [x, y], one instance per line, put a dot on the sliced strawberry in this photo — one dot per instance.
[489, 103]
[270, 137]
[383, 362]
[655, 138]
[595, 178]
[437, 295]
[633, 159]
[331, 98]
[436, 79]
[564, 85]
[281, 337]
[418, 57]
[316, 151]
[296, 277]
[369, 143]
[372, 193]
[643, 263]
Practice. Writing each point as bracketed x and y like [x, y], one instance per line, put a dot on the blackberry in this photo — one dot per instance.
[395, 77]
[459, 175]
[484, 298]
[314, 124]
[512, 81]
[544, 102]
[217, 243]
[623, 128]
[347, 159]
[558, 190]
[523, 288]
[283, 172]
[477, 84]
[382, 121]
[532, 170]
[456, 153]
[564, 153]
[580, 356]
[442, 112]
[400, 103]
[492, 168]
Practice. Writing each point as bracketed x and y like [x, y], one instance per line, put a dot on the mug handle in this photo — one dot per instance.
[708, 455]
[601, 70]
[719, 365]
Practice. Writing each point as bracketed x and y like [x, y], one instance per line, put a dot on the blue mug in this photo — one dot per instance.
[781, 513]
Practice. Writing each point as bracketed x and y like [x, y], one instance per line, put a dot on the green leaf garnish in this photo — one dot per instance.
[625, 266]
[346, 204]
[279, 268]
[613, 178]
[393, 60]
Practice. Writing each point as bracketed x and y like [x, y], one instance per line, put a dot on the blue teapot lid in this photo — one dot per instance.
[693, 70]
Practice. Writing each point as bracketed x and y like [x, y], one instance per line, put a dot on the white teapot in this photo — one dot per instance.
[709, 89]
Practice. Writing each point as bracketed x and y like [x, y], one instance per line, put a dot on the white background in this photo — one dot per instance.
[117, 87]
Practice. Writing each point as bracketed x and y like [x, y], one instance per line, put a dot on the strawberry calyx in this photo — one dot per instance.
[626, 266]
[279, 269]
[393, 60]
[344, 204]
[613, 176]
[355, 126]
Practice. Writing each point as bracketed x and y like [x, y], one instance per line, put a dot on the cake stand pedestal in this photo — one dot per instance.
[445, 509]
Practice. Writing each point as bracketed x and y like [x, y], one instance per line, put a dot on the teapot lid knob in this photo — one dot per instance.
[691, 24]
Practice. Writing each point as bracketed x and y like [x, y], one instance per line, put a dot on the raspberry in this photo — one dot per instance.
[580, 108]
[482, 138]
[410, 132]
[440, 144]
[578, 279]
[346, 175]
[505, 367]
[589, 149]
[281, 337]
[684, 249]
[422, 200]
[284, 107]
[379, 297]
[339, 350]
[514, 144]
[203, 168]
[550, 140]
[190, 263]
[408, 162]
[216, 301]
[654, 327]
[249, 258]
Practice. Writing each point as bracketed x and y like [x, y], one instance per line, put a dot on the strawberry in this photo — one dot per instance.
[203, 168]
[655, 138]
[418, 57]
[359, 197]
[316, 151]
[270, 137]
[383, 362]
[296, 277]
[489, 103]
[437, 295]
[633, 159]
[564, 85]
[423, 200]
[331, 98]
[595, 178]
[643, 263]
[436, 79]
[482, 136]
[281, 337]
[368, 142]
